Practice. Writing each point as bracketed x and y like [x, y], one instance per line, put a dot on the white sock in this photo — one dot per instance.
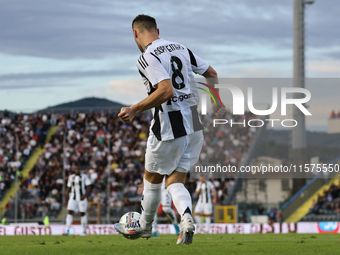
[170, 213]
[208, 221]
[69, 219]
[150, 202]
[154, 224]
[83, 221]
[182, 199]
[198, 219]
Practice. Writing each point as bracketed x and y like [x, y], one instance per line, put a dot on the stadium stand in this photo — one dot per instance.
[109, 151]
[313, 202]
[19, 136]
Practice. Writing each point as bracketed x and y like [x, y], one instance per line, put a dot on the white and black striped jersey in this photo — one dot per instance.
[163, 60]
[206, 190]
[78, 185]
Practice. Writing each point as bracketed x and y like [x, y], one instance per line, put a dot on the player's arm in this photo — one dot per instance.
[198, 189]
[159, 78]
[87, 188]
[68, 190]
[87, 191]
[211, 78]
[215, 196]
[164, 91]
[199, 66]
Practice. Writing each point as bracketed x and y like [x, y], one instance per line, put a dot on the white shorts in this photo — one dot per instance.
[74, 205]
[166, 198]
[205, 208]
[180, 154]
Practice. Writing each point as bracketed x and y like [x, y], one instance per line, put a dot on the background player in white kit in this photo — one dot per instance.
[176, 137]
[78, 186]
[204, 205]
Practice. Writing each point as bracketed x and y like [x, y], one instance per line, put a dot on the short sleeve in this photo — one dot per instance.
[198, 65]
[152, 69]
[69, 182]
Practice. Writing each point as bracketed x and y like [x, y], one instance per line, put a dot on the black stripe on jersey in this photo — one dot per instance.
[81, 186]
[195, 119]
[201, 194]
[192, 58]
[141, 63]
[144, 61]
[156, 57]
[206, 193]
[177, 125]
[156, 128]
[74, 187]
[152, 89]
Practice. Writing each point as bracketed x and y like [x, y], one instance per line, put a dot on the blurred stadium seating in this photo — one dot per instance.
[107, 150]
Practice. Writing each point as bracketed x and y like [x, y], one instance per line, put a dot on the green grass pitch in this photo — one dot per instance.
[166, 244]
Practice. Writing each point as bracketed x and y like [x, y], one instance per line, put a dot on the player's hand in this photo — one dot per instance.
[83, 197]
[65, 203]
[126, 114]
[219, 110]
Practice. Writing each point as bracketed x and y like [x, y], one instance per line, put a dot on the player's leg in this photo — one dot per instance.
[182, 200]
[154, 226]
[151, 198]
[71, 207]
[175, 185]
[198, 213]
[69, 220]
[83, 216]
[166, 206]
[207, 215]
[150, 202]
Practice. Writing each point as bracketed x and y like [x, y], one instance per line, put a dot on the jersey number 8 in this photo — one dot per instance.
[176, 72]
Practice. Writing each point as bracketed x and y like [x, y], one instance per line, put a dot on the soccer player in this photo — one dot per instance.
[176, 135]
[204, 205]
[78, 186]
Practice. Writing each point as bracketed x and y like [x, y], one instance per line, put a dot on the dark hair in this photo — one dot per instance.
[145, 22]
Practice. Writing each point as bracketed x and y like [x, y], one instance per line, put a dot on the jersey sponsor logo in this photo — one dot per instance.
[180, 98]
[328, 227]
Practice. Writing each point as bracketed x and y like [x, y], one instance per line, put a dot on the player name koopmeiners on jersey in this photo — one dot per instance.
[170, 47]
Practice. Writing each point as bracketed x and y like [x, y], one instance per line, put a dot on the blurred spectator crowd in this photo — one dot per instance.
[109, 151]
[329, 200]
[19, 135]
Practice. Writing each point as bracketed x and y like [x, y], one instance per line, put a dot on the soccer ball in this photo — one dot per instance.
[127, 218]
